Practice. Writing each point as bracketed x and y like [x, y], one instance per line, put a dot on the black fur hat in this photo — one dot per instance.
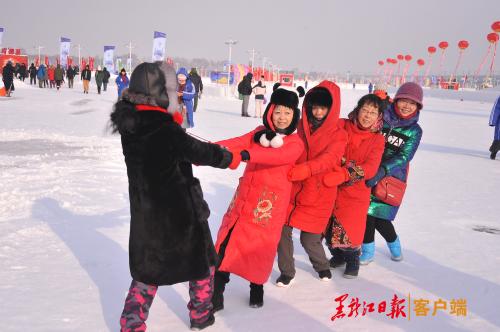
[148, 81]
[283, 96]
[319, 96]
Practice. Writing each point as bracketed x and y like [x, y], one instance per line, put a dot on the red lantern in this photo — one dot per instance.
[463, 44]
[394, 61]
[420, 62]
[400, 57]
[443, 45]
[408, 57]
[492, 37]
[381, 63]
[431, 49]
[496, 26]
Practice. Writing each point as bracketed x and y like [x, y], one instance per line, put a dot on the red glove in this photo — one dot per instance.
[236, 159]
[335, 178]
[299, 172]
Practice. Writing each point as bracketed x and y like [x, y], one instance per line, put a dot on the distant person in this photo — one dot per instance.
[41, 72]
[245, 89]
[86, 77]
[52, 79]
[495, 121]
[354, 85]
[99, 77]
[260, 90]
[8, 78]
[105, 79]
[22, 71]
[306, 83]
[186, 93]
[122, 82]
[32, 72]
[403, 135]
[198, 86]
[370, 87]
[58, 76]
[70, 76]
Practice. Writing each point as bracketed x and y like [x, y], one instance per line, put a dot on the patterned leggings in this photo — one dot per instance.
[140, 297]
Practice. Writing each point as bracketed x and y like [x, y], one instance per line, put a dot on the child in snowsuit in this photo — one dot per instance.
[170, 240]
[251, 228]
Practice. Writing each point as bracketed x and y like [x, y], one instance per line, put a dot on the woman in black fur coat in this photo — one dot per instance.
[170, 240]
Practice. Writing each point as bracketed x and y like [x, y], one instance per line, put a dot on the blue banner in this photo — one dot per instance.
[108, 62]
[64, 51]
[159, 43]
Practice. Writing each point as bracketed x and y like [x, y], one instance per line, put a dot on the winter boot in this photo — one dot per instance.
[367, 253]
[351, 256]
[220, 281]
[325, 275]
[284, 281]
[196, 326]
[495, 146]
[337, 259]
[395, 248]
[256, 295]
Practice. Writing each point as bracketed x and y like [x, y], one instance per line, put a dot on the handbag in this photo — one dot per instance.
[390, 190]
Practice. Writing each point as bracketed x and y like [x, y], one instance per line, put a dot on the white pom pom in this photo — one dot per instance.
[264, 141]
[277, 141]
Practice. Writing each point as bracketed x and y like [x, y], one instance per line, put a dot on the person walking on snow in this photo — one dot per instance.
[402, 138]
[260, 91]
[495, 121]
[99, 78]
[86, 77]
[121, 81]
[250, 231]
[198, 86]
[245, 89]
[186, 95]
[170, 240]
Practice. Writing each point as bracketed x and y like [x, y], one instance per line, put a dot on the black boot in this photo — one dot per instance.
[256, 295]
[495, 146]
[337, 259]
[351, 257]
[220, 281]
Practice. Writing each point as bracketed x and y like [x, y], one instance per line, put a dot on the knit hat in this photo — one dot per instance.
[287, 97]
[412, 91]
[147, 86]
[319, 97]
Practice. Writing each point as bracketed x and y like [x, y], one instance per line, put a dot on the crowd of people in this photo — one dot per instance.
[306, 169]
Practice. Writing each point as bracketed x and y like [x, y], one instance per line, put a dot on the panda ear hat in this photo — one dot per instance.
[286, 96]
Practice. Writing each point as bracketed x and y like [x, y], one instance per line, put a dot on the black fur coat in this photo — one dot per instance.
[170, 240]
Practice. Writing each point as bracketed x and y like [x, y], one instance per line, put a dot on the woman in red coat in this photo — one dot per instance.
[251, 228]
[361, 160]
[311, 201]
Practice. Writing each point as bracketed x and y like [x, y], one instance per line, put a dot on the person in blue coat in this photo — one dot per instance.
[122, 81]
[495, 121]
[42, 71]
[186, 93]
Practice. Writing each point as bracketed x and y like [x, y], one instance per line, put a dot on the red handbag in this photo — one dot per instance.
[390, 190]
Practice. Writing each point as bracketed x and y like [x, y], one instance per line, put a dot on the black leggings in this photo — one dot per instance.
[384, 227]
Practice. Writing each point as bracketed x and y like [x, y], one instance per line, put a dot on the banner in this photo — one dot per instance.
[91, 63]
[108, 58]
[119, 64]
[1, 35]
[46, 60]
[64, 51]
[37, 61]
[159, 42]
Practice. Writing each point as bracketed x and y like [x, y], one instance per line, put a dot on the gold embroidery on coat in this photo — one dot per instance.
[263, 211]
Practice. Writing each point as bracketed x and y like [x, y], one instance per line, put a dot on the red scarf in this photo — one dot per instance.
[176, 116]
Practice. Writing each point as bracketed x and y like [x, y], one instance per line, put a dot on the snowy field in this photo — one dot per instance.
[64, 220]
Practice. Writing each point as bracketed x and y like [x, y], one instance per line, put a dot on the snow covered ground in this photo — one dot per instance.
[64, 222]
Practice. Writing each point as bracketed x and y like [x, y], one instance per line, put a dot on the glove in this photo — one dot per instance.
[374, 180]
[235, 162]
[299, 172]
[269, 135]
[245, 155]
[335, 178]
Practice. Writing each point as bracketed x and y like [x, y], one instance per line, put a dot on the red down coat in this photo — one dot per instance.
[365, 149]
[258, 209]
[311, 202]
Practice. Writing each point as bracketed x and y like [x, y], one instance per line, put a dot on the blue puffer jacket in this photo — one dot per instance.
[402, 137]
[189, 90]
[40, 74]
[122, 83]
[495, 118]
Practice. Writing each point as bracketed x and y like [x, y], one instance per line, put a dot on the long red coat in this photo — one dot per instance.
[311, 202]
[365, 149]
[258, 209]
